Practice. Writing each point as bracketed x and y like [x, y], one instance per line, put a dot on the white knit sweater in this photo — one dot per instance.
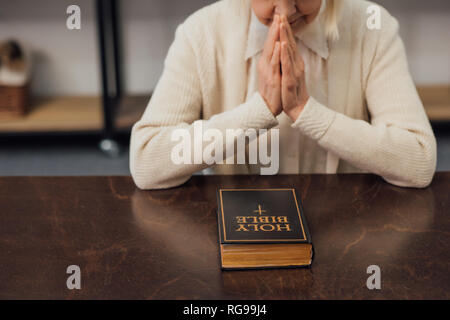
[372, 121]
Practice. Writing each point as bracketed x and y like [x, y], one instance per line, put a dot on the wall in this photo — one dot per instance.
[66, 62]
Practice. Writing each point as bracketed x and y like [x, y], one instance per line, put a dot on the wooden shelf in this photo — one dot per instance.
[436, 100]
[74, 114]
[58, 114]
[67, 114]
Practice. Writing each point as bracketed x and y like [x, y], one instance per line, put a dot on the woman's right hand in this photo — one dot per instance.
[269, 69]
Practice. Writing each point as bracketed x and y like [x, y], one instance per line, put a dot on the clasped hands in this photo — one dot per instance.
[281, 71]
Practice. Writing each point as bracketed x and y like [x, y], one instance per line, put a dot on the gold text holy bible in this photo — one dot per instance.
[262, 228]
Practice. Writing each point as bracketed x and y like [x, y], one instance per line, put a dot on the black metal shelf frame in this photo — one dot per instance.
[108, 37]
[110, 64]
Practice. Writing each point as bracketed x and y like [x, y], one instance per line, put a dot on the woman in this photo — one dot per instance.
[339, 92]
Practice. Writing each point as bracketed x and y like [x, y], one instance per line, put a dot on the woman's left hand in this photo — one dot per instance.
[294, 94]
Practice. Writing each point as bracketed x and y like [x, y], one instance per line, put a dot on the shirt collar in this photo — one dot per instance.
[313, 36]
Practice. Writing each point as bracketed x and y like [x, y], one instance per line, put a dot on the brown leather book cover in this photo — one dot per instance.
[262, 228]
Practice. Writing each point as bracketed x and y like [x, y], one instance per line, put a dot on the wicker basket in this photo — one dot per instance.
[13, 101]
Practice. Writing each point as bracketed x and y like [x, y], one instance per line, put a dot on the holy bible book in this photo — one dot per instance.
[262, 228]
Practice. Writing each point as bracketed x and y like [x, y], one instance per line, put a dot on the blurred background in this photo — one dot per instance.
[84, 89]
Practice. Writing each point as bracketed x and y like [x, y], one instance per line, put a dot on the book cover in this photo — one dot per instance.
[261, 216]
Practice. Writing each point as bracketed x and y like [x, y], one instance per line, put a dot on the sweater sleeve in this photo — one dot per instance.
[176, 104]
[398, 144]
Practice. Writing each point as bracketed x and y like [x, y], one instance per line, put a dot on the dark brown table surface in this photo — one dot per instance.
[163, 244]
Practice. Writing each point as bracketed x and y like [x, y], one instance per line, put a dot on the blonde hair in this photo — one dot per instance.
[331, 19]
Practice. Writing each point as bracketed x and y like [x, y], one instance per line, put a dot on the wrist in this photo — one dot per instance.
[295, 112]
[274, 110]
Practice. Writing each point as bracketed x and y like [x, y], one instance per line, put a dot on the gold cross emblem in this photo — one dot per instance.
[260, 211]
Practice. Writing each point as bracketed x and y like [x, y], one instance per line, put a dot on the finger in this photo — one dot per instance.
[285, 61]
[293, 50]
[276, 58]
[291, 55]
[287, 34]
[289, 80]
[297, 63]
[272, 37]
[283, 33]
[285, 39]
[290, 34]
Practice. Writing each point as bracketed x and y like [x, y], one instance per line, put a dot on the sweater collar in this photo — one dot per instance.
[313, 36]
